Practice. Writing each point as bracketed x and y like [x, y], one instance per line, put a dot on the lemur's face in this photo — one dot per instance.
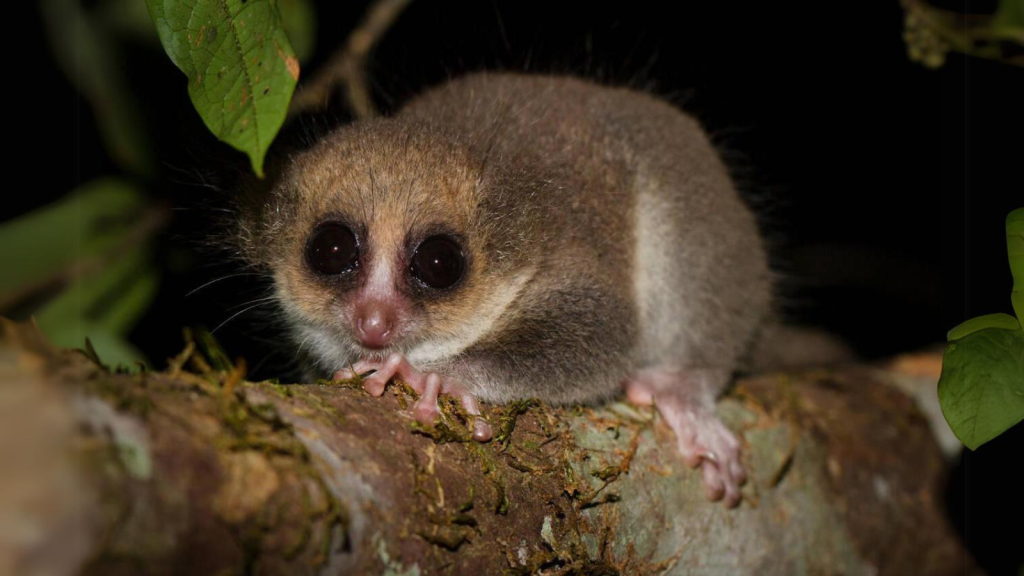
[380, 247]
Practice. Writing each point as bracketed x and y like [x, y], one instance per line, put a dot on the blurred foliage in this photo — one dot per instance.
[240, 66]
[981, 389]
[88, 54]
[88, 223]
[299, 20]
[103, 307]
[931, 33]
[129, 18]
[82, 266]
[1015, 250]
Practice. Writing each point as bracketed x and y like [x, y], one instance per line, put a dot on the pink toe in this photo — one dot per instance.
[374, 386]
[713, 486]
[692, 456]
[738, 472]
[482, 430]
[362, 367]
[732, 495]
[425, 410]
[638, 395]
[425, 413]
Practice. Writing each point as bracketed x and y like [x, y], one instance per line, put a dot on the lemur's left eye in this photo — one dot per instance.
[438, 262]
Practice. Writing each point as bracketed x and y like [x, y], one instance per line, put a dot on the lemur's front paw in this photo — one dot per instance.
[702, 438]
[428, 386]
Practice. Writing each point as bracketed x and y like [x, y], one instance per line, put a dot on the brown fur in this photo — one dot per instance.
[604, 211]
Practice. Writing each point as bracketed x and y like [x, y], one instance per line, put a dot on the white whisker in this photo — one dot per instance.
[235, 315]
[215, 280]
[258, 300]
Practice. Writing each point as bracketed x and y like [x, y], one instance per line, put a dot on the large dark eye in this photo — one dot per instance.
[332, 249]
[438, 262]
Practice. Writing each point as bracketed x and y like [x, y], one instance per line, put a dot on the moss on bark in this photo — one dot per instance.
[196, 470]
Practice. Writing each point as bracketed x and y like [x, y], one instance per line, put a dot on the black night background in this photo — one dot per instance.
[882, 184]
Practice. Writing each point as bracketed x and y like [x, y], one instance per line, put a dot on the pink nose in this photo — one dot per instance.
[375, 322]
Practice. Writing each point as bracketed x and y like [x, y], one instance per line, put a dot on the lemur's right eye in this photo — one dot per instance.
[332, 249]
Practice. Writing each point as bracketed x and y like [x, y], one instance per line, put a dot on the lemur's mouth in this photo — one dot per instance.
[376, 354]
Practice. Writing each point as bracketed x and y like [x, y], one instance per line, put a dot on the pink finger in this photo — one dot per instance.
[482, 431]
[425, 409]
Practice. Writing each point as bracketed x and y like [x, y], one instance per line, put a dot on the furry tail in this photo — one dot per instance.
[781, 346]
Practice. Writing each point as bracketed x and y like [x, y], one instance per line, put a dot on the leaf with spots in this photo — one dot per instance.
[240, 66]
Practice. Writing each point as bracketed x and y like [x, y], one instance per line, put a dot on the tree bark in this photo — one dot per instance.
[196, 471]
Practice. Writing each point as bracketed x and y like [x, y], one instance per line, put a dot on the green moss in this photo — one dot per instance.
[285, 391]
[124, 392]
[490, 469]
[502, 506]
[606, 499]
[507, 420]
[468, 504]
[208, 346]
[244, 425]
[608, 473]
[517, 464]
[441, 433]
[351, 383]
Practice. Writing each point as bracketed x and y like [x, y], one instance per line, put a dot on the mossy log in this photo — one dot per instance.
[196, 471]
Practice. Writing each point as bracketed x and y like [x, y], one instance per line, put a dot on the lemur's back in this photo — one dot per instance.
[639, 185]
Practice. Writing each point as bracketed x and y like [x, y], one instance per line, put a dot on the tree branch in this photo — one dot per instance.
[347, 67]
[198, 471]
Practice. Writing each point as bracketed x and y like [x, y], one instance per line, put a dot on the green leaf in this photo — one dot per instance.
[103, 306]
[240, 66]
[1000, 321]
[1015, 251]
[50, 240]
[86, 52]
[1008, 20]
[128, 18]
[84, 263]
[114, 351]
[299, 20]
[981, 390]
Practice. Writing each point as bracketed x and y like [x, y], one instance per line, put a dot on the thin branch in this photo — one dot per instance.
[347, 67]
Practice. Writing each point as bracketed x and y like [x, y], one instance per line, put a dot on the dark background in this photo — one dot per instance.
[882, 185]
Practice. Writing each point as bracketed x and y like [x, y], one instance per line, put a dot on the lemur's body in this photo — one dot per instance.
[513, 236]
